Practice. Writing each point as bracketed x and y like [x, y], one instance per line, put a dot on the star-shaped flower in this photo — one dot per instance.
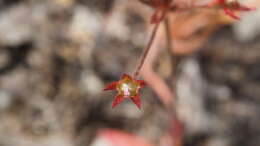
[230, 7]
[127, 87]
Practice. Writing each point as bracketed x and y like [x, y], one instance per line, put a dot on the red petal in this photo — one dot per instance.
[118, 99]
[137, 101]
[126, 76]
[231, 13]
[111, 86]
[142, 83]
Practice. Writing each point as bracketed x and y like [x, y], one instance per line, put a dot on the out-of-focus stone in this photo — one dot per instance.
[218, 141]
[65, 3]
[84, 26]
[16, 139]
[248, 28]
[117, 28]
[4, 58]
[16, 25]
[15, 82]
[190, 89]
[90, 83]
[5, 100]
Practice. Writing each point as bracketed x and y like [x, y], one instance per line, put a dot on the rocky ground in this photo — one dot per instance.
[57, 55]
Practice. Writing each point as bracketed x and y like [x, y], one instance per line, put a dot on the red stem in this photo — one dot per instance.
[148, 47]
[146, 51]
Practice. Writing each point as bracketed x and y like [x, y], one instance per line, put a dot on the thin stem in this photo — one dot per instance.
[146, 51]
[149, 45]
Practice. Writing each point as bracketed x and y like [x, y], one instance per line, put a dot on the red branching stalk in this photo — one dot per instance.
[163, 6]
[127, 86]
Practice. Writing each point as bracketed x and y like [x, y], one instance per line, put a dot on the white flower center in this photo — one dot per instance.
[126, 89]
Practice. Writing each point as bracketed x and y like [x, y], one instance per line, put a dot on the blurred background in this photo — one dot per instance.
[56, 56]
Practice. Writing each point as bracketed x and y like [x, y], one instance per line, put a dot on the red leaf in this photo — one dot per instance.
[231, 13]
[230, 7]
[244, 8]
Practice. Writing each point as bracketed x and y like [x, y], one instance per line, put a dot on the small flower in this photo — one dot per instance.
[230, 7]
[127, 87]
